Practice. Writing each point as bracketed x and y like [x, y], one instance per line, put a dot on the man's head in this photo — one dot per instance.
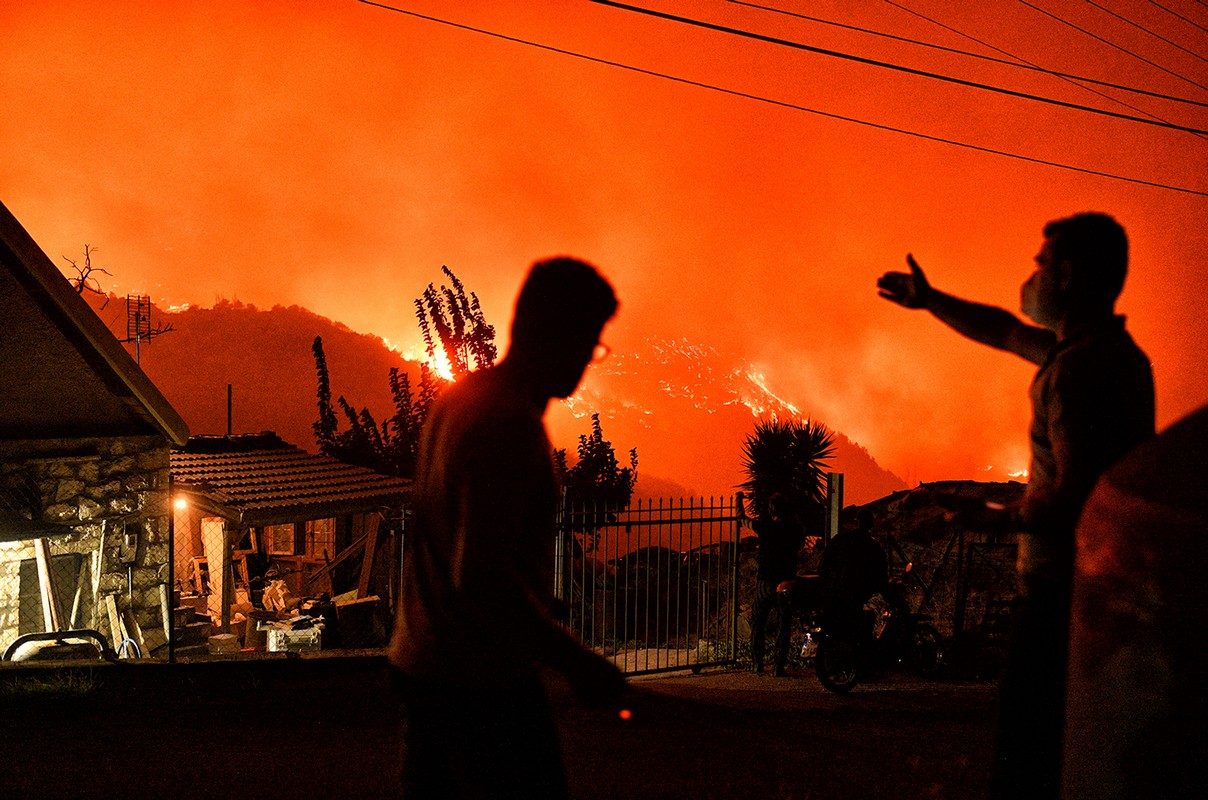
[562, 308]
[1082, 264]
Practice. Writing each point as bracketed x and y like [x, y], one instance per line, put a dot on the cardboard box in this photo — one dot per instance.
[281, 640]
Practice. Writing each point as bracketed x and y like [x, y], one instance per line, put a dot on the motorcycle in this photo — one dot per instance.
[890, 635]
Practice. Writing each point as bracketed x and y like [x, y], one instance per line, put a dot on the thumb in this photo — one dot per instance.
[915, 270]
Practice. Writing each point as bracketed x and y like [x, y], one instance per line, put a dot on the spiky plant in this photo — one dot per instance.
[787, 456]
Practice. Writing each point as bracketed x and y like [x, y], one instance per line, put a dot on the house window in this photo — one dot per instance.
[279, 539]
[321, 538]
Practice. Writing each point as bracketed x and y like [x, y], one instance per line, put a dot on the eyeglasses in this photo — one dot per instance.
[600, 352]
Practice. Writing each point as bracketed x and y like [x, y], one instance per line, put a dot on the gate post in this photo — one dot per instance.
[834, 504]
[560, 562]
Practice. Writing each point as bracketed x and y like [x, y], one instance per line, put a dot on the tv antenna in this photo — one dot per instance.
[138, 323]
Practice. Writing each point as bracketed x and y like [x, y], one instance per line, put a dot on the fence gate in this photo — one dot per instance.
[652, 587]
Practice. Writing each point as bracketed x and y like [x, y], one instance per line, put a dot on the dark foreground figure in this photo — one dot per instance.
[1092, 402]
[1138, 678]
[475, 621]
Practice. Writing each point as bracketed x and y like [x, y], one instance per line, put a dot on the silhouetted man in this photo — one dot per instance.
[780, 538]
[474, 622]
[853, 569]
[1092, 402]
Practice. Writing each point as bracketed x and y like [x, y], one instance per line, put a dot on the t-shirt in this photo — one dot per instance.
[1092, 402]
[478, 559]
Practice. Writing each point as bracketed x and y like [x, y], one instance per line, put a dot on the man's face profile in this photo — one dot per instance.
[1040, 295]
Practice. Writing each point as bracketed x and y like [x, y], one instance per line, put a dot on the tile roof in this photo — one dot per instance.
[280, 483]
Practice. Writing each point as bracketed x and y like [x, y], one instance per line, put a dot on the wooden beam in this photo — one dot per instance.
[46, 587]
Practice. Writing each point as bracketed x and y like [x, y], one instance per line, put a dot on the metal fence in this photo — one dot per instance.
[653, 586]
[82, 592]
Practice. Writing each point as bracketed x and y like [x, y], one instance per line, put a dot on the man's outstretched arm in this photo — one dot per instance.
[989, 325]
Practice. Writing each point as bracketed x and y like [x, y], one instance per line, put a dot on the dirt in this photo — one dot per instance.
[300, 730]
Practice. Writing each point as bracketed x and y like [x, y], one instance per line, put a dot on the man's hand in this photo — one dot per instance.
[597, 682]
[908, 290]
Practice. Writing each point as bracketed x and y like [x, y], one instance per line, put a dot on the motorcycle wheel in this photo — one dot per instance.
[926, 651]
[835, 664]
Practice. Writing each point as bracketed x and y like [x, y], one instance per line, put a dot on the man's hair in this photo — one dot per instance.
[1097, 247]
[561, 298]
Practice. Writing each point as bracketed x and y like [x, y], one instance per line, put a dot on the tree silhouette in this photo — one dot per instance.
[391, 448]
[85, 281]
[597, 483]
[788, 456]
[467, 342]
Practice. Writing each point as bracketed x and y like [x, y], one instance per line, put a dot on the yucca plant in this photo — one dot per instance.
[787, 456]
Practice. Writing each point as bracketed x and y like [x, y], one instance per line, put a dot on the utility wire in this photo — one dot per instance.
[1177, 14]
[780, 103]
[1025, 63]
[1112, 44]
[1014, 62]
[896, 67]
[1146, 30]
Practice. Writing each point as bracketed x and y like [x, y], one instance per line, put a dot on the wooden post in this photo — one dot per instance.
[46, 586]
[371, 537]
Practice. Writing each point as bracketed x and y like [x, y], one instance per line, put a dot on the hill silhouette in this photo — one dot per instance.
[686, 408]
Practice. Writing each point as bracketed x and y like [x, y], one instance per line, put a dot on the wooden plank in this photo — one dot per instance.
[371, 537]
[320, 573]
[117, 631]
[46, 587]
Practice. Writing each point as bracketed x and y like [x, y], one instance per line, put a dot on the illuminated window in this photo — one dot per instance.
[320, 537]
[280, 539]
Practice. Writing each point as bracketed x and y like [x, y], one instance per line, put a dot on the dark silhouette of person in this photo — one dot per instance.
[853, 569]
[1092, 401]
[780, 537]
[475, 620]
[1138, 672]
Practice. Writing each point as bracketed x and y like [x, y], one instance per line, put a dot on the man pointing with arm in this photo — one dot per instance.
[1092, 401]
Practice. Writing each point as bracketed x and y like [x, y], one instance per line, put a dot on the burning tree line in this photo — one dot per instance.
[455, 330]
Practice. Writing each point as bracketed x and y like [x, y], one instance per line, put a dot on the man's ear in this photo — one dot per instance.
[1066, 274]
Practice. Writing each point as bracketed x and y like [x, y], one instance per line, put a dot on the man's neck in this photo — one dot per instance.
[525, 381]
[1076, 321]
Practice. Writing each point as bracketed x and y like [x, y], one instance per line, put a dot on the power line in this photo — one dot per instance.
[1177, 14]
[1025, 62]
[1014, 62]
[780, 103]
[1112, 44]
[895, 67]
[1146, 30]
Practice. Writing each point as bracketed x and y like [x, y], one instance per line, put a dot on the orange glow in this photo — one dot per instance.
[334, 156]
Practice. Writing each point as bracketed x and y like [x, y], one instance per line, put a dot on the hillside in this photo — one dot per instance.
[686, 408]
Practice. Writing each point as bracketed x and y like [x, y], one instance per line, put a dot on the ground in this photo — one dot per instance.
[299, 729]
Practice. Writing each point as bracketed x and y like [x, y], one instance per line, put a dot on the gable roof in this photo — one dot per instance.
[65, 374]
[258, 480]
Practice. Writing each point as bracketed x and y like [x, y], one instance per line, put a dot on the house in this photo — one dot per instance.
[84, 469]
[260, 520]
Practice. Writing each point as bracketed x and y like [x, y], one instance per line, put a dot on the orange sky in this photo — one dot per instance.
[334, 155]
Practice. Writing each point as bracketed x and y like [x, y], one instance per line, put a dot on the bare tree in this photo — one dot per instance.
[85, 281]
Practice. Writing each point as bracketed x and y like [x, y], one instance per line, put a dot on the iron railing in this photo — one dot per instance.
[652, 586]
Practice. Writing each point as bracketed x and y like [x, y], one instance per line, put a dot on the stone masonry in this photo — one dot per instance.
[95, 495]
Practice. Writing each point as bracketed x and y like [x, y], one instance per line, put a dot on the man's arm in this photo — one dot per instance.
[989, 325]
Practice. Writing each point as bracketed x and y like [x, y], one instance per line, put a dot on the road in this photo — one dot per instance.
[328, 730]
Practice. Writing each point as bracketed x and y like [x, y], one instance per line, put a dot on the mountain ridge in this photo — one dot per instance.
[686, 407]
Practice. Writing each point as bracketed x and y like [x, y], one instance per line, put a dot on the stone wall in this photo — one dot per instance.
[96, 495]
